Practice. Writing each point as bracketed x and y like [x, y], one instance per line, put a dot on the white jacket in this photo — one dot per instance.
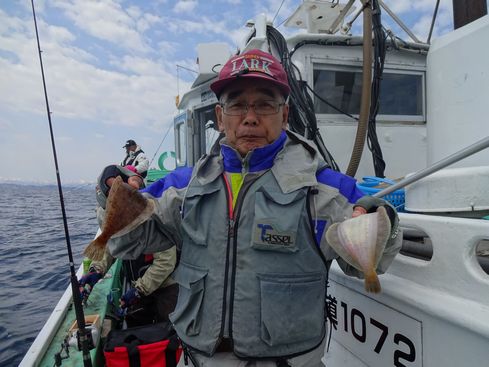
[137, 159]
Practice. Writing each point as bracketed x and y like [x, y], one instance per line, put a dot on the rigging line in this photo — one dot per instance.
[331, 105]
[280, 7]
[302, 118]
[83, 334]
[188, 69]
[282, 22]
[157, 149]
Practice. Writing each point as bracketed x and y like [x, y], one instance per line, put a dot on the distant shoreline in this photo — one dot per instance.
[38, 184]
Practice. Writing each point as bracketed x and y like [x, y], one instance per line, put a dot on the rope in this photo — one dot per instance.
[379, 58]
[280, 7]
[159, 146]
[302, 118]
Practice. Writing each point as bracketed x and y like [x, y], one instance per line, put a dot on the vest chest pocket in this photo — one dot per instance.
[188, 311]
[199, 214]
[292, 308]
[276, 221]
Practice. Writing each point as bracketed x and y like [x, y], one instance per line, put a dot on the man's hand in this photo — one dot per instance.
[358, 210]
[131, 297]
[369, 204]
[131, 168]
[87, 282]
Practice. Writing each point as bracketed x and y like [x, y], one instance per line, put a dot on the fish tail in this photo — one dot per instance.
[96, 249]
[372, 283]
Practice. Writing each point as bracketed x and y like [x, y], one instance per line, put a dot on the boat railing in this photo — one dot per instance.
[438, 305]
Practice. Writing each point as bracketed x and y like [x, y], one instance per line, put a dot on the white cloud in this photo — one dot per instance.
[271, 7]
[185, 6]
[399, 6]
[134, 12]
[238, 37]
[145, 22]
[105, 20]
[141, 93]
[167, 48]
[204, 26]
[428, 6]
[418, 15]
[422, 27]
[444, 21]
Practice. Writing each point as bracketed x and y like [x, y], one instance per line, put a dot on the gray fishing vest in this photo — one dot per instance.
[260, 283]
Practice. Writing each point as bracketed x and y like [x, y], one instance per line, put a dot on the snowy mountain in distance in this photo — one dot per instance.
[45, 183]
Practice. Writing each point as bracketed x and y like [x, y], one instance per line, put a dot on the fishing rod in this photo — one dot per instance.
[84, 336]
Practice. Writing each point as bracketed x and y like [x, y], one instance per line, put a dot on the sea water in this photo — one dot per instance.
[34, 269]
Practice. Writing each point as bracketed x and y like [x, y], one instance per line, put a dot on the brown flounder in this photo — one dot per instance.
[360, 241]
[126, 208]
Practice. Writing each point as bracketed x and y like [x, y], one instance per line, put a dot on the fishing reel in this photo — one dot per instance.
[91, 334]
[74, 339]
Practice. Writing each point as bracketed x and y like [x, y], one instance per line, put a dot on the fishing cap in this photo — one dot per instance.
[254, 64]
[129, 143]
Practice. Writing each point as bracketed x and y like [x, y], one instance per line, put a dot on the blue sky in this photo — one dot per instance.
[111, 73]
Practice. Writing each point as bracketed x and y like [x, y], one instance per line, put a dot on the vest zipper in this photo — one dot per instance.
[239, 204]
[231, 223]
[232, 235]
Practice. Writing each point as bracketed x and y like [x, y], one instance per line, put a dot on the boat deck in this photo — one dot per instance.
[96, 305]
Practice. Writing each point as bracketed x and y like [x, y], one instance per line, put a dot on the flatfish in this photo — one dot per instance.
[360, 241]
[126, 208]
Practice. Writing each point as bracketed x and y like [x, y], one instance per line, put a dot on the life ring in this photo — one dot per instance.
[162, 159]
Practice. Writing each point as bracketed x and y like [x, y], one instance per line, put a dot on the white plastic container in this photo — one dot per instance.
[450, 190]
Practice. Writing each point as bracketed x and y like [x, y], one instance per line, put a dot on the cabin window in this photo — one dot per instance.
[181, 144]
[211, 134]
[401, 94]
[207, 121]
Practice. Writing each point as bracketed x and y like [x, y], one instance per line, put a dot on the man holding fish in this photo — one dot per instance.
[152, 293]
[251, 220]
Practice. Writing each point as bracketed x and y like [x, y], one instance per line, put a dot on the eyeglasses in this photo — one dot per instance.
[262, 108]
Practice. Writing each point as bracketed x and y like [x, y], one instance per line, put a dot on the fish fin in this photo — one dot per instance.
[96, 249]
[372, 283]
[383, 233]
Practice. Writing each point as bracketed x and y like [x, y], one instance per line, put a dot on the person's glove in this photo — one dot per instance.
[131, 168]
[87, 282]
[130, 298]
[370, 205]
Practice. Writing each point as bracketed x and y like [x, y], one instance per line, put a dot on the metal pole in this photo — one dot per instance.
[464, 153]
[341, 16]
[399, 21]
[428, 41]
